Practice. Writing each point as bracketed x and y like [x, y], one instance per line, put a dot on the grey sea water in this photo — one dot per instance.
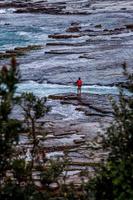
[27, 29]
[18, 30]
[49, 89]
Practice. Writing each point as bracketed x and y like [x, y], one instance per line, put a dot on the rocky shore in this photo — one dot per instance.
[94, 42]
[19, 51]
[84, 7]
[50, 7]
[77, 133]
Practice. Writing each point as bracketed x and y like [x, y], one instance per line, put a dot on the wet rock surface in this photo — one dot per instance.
[19, 51]
[95, 41]
[90, 104]
[81, 136]
[75, 126]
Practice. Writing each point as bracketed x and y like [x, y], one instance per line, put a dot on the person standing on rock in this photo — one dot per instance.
[79, 84]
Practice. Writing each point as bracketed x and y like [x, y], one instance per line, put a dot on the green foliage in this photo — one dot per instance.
[33, 108]
[9, 128]
[9, 77]
[53, 169]
[8, 138]
[74, 192]
[114, 180]
[8, 80]
[12, 191]
[16, 173]
[20, 170]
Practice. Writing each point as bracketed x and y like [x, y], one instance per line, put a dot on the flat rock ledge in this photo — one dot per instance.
[81, 139]
[19, 51]
[93, 105]
[60, 7]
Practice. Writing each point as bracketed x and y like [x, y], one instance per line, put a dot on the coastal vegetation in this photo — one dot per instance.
[114, 180]
[19, 166]
[25, 171]
[55, 145]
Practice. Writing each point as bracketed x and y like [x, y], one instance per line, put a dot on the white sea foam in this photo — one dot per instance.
[48, 89]
[23, 34]
[11, 10]
[41, 37]
[55, 154]
[7, 10]
[2, 11]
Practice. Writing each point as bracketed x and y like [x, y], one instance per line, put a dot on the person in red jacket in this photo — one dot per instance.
[79, 84]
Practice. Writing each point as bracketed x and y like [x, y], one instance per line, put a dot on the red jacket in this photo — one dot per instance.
[79, 83]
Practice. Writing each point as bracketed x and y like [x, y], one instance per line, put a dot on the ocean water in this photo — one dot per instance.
[45, 89]
[18, 30]
[27, 29]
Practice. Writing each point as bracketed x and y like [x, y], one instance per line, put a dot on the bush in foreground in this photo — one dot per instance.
[114, 180]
